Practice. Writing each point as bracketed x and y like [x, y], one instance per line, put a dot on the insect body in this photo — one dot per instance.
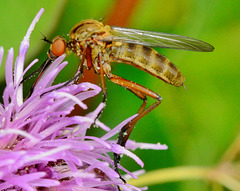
[101, 39]
[98, 45]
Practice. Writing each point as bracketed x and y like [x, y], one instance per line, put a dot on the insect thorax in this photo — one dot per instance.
[89, 29]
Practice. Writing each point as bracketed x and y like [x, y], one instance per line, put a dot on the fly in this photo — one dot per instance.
[98, 45]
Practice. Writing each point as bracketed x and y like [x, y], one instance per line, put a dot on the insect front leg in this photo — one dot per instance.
[43, 66]
[77, 75]
[141, 92]
[40, 70]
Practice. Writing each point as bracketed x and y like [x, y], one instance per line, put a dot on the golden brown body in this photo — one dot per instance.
[91, 32]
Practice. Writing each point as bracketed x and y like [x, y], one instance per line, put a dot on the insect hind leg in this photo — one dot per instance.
[121, 141]
[127, 129]
[141, 92]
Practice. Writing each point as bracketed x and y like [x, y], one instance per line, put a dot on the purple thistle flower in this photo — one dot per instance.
[41, 147]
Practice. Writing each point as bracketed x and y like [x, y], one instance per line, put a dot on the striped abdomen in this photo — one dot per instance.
[148, 60]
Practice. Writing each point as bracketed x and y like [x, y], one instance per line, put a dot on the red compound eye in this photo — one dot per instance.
[58, 46]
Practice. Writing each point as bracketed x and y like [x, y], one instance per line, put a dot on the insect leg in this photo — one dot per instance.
[102, 72]
[40, 70]
[101, 63]
[100, 60]
[43, 66]
[76, 77]
[141, 92]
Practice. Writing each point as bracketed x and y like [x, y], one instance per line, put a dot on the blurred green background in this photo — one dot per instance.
[197, 124]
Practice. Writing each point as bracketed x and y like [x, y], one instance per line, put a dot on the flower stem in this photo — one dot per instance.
[232, 151]
[186, 173]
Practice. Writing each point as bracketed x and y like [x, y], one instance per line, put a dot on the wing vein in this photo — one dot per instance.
[158, 39]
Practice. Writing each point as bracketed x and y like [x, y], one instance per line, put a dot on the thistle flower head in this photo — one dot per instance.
[42, 147]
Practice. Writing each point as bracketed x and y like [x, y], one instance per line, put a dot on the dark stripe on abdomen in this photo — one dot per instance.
[149, 60]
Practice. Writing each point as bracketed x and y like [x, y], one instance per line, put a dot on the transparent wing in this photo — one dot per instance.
[157, 39]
